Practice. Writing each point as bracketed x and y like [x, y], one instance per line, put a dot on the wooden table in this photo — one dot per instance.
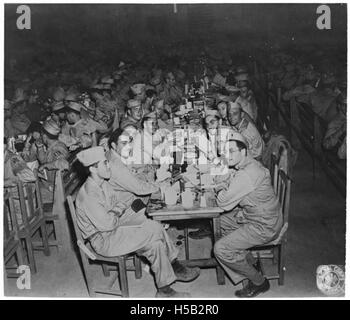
[177, 212]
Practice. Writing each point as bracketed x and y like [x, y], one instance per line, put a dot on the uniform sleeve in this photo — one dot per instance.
[132, 184]
[98, 214]
[240, 185]
[254, 139]
[60, 155]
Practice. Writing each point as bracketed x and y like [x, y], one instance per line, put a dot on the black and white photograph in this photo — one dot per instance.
[158, 150]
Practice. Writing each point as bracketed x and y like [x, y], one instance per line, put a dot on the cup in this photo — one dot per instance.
[187, 198]
[170, 196]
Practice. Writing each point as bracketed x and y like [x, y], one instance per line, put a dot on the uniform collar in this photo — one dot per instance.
[246, 161]
[92, 181]
[118, 157]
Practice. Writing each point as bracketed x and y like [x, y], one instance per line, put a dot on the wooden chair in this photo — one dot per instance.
[274, 172]
[12, 243]
[87, 254]
[66, 183]
[275, 249]
[32, 219]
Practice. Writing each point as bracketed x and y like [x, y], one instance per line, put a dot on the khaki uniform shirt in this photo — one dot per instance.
[251, 133]
[94, 204]
[125, 183]
[250, 188]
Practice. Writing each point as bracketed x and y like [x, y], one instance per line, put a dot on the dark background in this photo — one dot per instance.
[82, 31]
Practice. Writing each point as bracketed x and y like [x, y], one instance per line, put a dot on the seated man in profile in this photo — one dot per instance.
[253, 216]
[114, 228]
[172, 93]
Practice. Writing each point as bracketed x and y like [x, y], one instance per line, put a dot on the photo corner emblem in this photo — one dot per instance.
[330, 280]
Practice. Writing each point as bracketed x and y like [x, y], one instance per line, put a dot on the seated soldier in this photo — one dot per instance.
[15, 168]
[247, 129]
[134, 114]
[163, 114]
[247, 101]
[146, 141]
[59, 113]
[114, 227]
[52, 155]
[125, 178]
[222, 109]
[78, 132]
[30, 152]
[254, 216]
[171, 94]
[151, 95]
[19, 110]
[9, 129]
[336, 129]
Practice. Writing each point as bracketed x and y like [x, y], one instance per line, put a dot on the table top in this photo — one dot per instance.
[177, 211]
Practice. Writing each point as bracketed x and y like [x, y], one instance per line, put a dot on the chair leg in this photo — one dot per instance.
[45, 239]
[281, 266]
[124, 287]
[138, 267]
[58, 233]
[20, 255]
[30, 251]
[187, 250]
[88, 276]
[105, 270]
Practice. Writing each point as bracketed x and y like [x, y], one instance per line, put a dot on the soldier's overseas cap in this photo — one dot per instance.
[236, 136]
[51, 127]
[133, 103]
[90, 156]
[57, 105]
[73, 105]
[234, 105]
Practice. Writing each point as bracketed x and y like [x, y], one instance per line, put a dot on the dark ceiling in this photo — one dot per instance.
[65, 30]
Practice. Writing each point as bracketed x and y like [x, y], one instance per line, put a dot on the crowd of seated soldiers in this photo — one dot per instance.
[318, 80]
[74, 111]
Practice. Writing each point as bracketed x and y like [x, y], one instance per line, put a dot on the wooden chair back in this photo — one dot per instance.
[84, 250]
[10, 219]
[283, 186]
[274, 172]
[30, 202]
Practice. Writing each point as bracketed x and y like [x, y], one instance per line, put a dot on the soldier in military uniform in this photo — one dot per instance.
[16, 121]
[172, 94]
[247, 129]
[247, 101]
[52, 154]
[116, 226]
[134, 114]
[78, 132]
[58, 113]
[9, 130]
[254, 216]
